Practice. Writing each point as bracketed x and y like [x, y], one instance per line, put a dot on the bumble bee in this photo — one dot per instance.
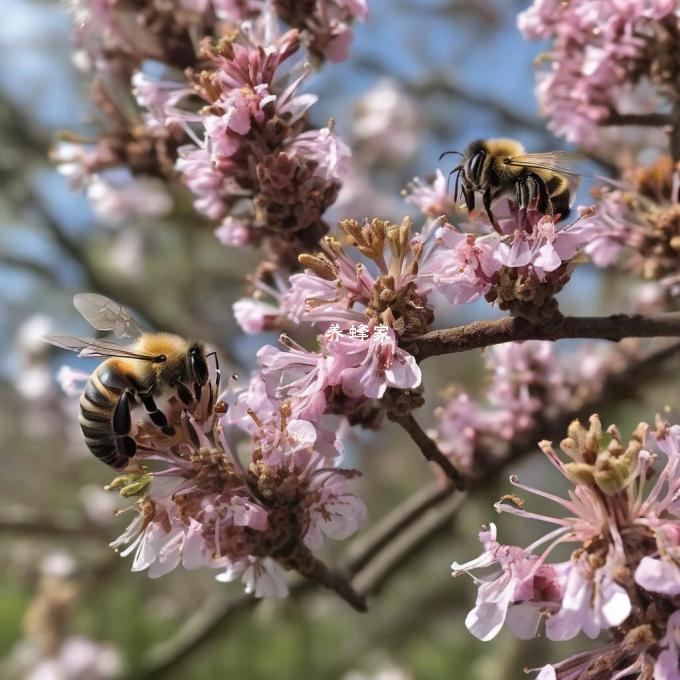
[501, 166]
[147, 368]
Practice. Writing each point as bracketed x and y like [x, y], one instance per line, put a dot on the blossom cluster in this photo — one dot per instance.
[623, 572]
[640, 218]
[344, 376]
[253, 507]
[529, 383]
[391, 275]
[602, 51]
[219, 113]
[252, 164]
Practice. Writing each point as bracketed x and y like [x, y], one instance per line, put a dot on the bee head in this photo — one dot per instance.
[198, 364]
[475, 157]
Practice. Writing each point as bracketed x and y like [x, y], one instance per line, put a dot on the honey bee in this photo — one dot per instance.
[147, 367]
[501, 166]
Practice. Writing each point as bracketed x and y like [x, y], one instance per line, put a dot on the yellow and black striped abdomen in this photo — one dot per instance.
[98, 407]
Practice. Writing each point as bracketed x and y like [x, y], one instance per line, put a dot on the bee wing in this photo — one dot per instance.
[557, 161]
[107, 315]
[92, 347]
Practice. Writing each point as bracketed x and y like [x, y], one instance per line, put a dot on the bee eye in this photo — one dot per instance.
[161, 359]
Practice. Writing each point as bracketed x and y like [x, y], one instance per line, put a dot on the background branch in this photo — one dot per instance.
[23, 521]
[428, 447]
[443, 85]
[640, 119]
[675, 131]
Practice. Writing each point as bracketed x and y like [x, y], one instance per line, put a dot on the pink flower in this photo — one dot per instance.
[300, 375]
[368, 368]
[337, 48]
[204, 180]
[668, 661]
[359, 367]
[265, 309]
[72, 381]
[471, 265]
[262, 577]
[357, 8]
[526, 380]
[660, 575]
[254, 316]
[431, 197]
[502, 589]
[592, 601]
[330, 153]
[160, 99]
[233, 232]
[118, 197]
[538, 244]
[337, 513]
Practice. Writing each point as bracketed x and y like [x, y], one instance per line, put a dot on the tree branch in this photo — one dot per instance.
[16, 520]
[32, 266]
[675, 131]
[407, 543]
[364, 548]
[428, 447]
[485, 333]
[639, 119]
[108, 285]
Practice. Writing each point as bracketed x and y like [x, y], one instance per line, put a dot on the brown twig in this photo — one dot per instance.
[428, 447]
[33, 266]
[98, 281]
[23, 521]
[485, 333]
[639, 119]
[333, 580]
[674, 136]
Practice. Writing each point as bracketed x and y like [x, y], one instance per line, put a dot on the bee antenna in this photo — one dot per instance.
[452, 151]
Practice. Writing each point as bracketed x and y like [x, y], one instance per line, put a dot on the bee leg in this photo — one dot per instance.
[184, 393]
[523, 199]
[156, 416]
[543, 203]
[560, 204]
[214, 392]
[122, 424]
[468, 193]
[486, 199]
